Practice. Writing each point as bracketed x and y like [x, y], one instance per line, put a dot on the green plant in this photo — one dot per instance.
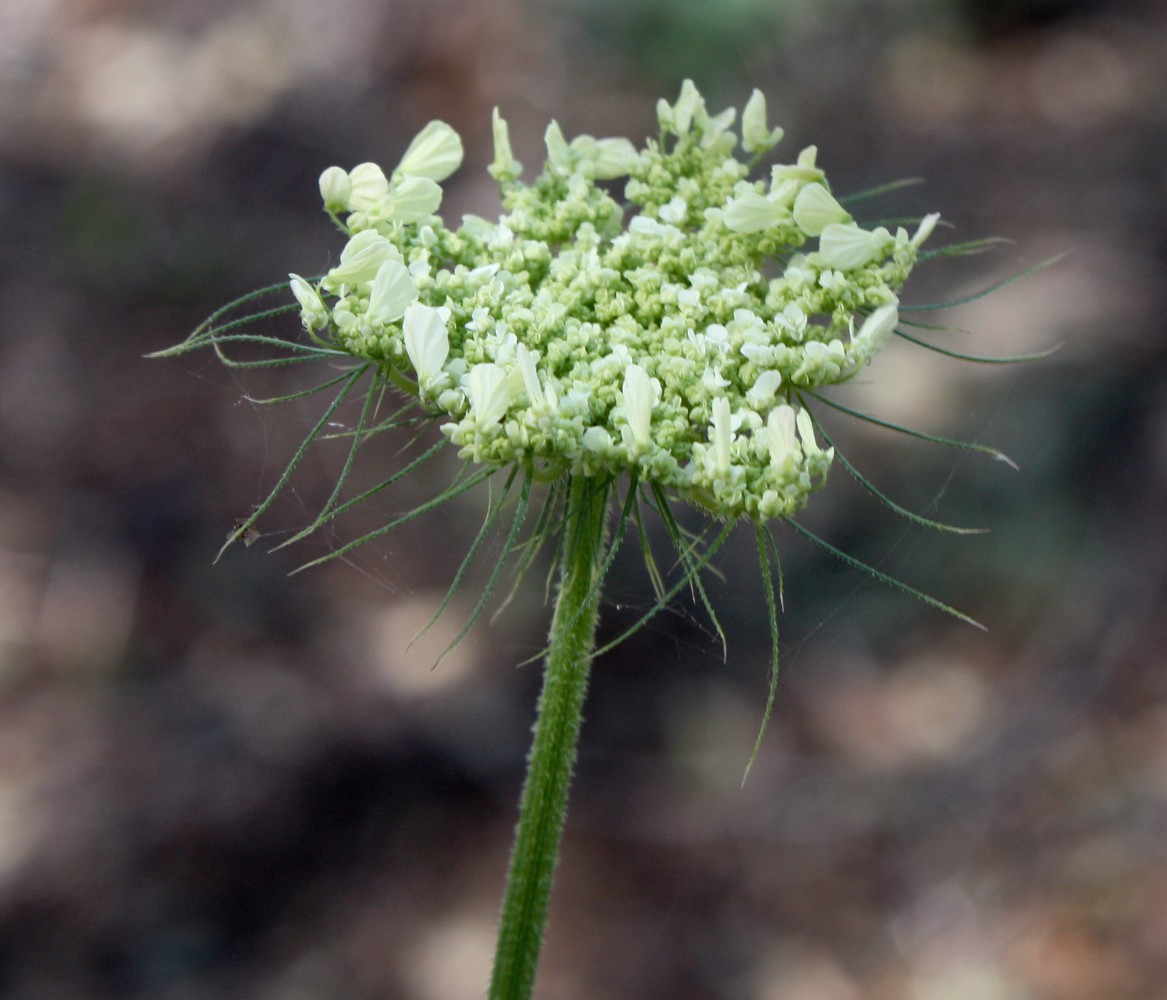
[603, 360]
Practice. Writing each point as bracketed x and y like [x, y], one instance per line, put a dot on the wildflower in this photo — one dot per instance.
[672, 336]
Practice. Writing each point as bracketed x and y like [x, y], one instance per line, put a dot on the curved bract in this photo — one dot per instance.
[668, 336]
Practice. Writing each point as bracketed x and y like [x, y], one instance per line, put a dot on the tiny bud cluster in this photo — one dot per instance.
[672, 335]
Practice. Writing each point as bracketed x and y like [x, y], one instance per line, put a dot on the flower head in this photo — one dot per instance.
[675, 335]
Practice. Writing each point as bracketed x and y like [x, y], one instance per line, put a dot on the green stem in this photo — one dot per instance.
[543, 807]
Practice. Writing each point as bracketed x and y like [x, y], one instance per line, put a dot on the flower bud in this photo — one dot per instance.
[927, 224]
[505, 167]
[335, 189]
[756, 137]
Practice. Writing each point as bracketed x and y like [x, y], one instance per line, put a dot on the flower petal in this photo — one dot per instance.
[435, 153]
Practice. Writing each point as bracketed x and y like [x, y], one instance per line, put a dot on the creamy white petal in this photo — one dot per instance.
[878, 326]
[436, 152]
[427, 340]
[489, 393]
[780, 436]
[927, 224]
[751, 213]
[756, 136]
[361, 259]
[765, 386]
[368, 186]
[815, 209]
[846, 246]
[722, 432]
[336, 189]
[806, 433]
[393, 290]
[412, 199]
[640, 395]
[526, 363]
[504, 166]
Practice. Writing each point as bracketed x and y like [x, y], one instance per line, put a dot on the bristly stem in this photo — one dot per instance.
[543, 806]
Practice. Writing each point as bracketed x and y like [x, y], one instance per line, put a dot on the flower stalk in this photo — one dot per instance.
[543, 807]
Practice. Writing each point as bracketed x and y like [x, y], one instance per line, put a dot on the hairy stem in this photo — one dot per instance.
[543, 806]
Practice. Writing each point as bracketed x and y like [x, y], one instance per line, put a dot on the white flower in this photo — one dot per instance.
[368, 185]
[489, 394]
[505, 167]
[435, 153]
[756, 137]
[640, 396]
[427, 341]
[815, 209]
[335, 189]
[878, 327]
[393, 290]
[927, 224]
[780, 439]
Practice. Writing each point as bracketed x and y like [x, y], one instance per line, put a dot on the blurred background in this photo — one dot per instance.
[219, 780]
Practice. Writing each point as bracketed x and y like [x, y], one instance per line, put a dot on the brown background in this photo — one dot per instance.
[219, 781]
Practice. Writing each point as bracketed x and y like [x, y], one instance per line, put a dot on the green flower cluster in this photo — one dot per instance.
[671, 336]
